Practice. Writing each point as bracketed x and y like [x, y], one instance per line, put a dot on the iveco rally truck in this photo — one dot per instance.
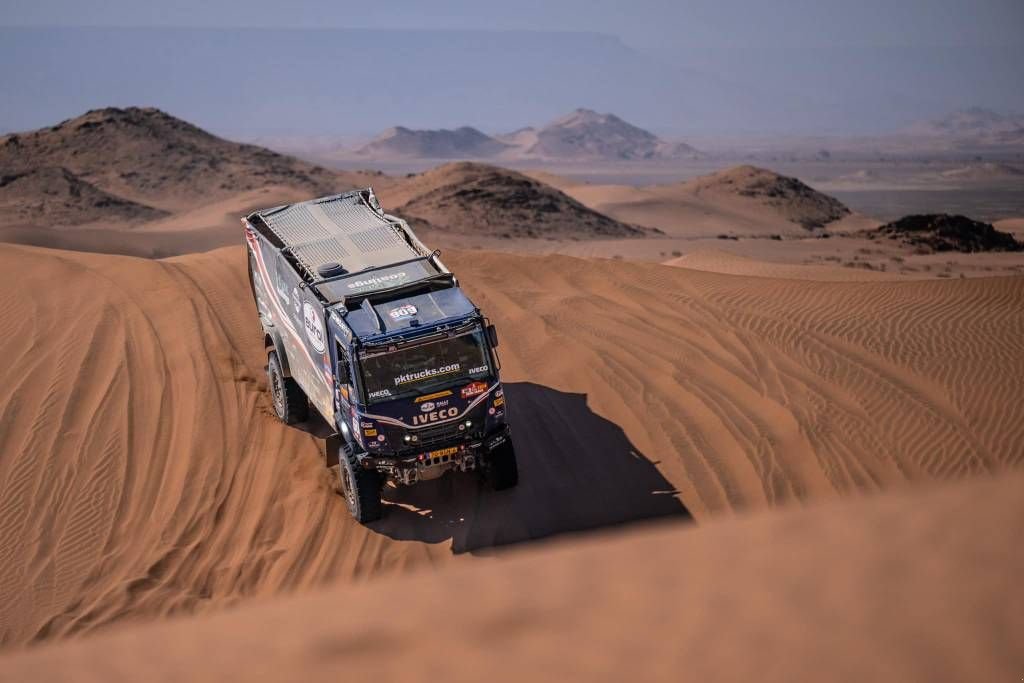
[365, 323]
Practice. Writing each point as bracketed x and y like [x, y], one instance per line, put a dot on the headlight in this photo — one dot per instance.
[407, 438]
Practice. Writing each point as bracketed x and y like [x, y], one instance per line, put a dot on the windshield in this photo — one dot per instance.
[392, 374]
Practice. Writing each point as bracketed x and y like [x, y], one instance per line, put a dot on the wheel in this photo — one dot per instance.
[502, 471]
[360, 486]
[290, 402]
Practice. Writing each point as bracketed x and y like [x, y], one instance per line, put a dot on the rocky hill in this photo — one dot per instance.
[587, 135]
[147, 156]
[583, 135]
[784, 195]
[56, 196]
[462, 143]
[945, 232]
[478, 199]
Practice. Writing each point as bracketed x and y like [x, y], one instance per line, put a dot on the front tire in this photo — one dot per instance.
[502, 470]
[289, 400]
[359, 486]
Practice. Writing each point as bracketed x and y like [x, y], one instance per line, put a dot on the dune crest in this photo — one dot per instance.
[832, 593]
[142, 473]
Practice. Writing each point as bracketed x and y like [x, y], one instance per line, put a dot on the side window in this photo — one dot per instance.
[342, 377]
[343, 371]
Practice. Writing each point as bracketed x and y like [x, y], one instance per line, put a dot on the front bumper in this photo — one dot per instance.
[461, 455]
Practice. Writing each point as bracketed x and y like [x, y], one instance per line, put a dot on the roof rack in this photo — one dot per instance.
[349, 229]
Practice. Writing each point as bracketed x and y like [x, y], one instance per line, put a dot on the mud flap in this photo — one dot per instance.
[331, 449]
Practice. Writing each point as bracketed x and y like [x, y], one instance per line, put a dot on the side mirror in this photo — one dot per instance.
[492, 336]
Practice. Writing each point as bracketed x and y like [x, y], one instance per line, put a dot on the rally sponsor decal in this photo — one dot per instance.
[427, 407]
[254, 245]
[426, 374]
[376, 280]
[314, 327]
[444, 415]
[380, 393]
[474, 389]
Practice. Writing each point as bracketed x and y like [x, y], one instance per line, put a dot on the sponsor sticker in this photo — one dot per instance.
[314, 327]
[370, 432]
[298, 302]
[427, 407]
[443, 452]
[377, 280]
[474, 389]
[435, 416]
[404, 311]
[426, 374]
[380, 393]
[380, 437]
[500, 401]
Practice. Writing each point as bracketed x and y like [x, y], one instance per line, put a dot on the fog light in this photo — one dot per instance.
[407, 438]
[469, 423]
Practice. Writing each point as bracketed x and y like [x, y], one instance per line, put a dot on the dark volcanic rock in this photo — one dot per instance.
[144, 154]
[55, 196]
[945, 232]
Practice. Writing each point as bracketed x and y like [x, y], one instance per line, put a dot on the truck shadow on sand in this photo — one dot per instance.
[577, 471]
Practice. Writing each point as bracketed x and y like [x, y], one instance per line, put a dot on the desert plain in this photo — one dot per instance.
[763, 433]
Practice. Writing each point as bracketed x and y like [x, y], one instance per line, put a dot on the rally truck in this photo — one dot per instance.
[367, 325]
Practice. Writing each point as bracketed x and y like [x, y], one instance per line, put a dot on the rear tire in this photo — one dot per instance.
[502, 469]
[289, 400]
[359, 486]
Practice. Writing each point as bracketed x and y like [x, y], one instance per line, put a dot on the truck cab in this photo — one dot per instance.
[361, 321]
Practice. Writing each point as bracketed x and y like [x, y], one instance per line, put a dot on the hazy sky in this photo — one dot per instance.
[679, 67]
[651, 24]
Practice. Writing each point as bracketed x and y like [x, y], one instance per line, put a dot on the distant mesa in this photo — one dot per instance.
[461, 143]
[587, 135]
[478, 199]
[945, 232]
[973, 125]
[583, 135]
[984, 171]
[787, 196]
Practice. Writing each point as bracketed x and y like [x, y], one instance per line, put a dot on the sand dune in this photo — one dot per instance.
[716, 261]
[141, 472]
[743, 200]
[918, 587]
[481, 200]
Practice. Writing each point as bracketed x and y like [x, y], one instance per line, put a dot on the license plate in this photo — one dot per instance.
[433, 455]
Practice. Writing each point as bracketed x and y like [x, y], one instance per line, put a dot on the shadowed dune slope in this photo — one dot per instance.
[141, 471]
[920, 587]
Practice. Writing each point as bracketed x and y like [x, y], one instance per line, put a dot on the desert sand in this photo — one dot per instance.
[743, 429]
[142, 473]
[921, 587]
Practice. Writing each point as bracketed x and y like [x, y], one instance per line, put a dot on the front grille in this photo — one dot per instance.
[446, 433]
